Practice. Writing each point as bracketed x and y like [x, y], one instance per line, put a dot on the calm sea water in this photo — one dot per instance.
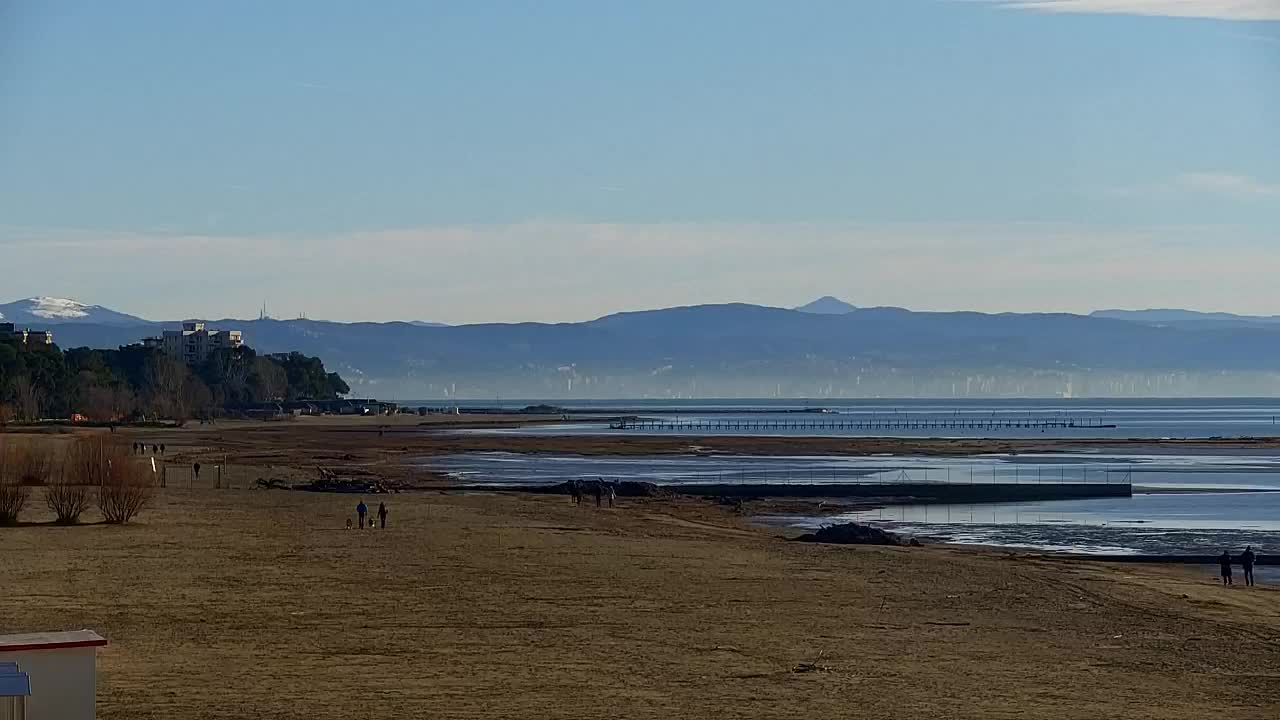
[1155, 418]
[1182, 503]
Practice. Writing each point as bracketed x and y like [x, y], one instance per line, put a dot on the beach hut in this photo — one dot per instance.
[60, 672]
[15, 687]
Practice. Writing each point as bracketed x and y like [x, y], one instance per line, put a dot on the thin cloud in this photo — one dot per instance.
[1240, 186]
[1220, 9]
[1225, 184]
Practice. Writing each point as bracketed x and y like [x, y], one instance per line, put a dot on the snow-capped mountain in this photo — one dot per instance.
[39, 312]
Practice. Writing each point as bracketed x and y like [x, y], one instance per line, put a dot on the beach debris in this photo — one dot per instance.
[346, 485]
[856, 534]
[810, 668]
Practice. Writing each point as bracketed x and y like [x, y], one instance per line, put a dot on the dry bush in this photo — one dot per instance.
[33, 463]
[65, 498]
[13, 500]
[87, 463]
[125, 491]
[22, 464]
[13, 496]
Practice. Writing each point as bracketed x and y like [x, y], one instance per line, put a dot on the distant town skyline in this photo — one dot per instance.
[486, 162]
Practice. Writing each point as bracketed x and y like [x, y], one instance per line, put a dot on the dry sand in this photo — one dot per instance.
[232, 604]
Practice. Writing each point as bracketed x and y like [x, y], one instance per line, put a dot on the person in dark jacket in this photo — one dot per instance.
[382, 515]
[1246, 561]
[361, 511]
[1224, 561]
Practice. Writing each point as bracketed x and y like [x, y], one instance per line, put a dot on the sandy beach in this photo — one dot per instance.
[251, 603]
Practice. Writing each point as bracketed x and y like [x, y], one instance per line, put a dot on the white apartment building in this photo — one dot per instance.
[194, 343]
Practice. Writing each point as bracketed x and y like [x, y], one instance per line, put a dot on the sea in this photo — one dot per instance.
[1131, 418]
[1184, 502]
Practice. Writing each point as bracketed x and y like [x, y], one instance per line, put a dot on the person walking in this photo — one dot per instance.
[599, 490]
[361, 511]
[195, 470]
[1246, 561]
[1224, 561]
[613, 493]
[382, 515]
[575, 491]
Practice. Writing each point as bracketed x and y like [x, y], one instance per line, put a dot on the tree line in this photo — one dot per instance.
[136, 383]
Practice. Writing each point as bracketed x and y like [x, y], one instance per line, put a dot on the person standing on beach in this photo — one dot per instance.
[1246, 561]
[599, 489]
[1224, 561]
[613, 493]
[575, 491]
[361, 511]
[382, 515]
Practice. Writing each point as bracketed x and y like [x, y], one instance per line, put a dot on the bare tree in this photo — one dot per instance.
[167, 377]
[196, 398]
[88, 460]
[271, 379]
[27, 399]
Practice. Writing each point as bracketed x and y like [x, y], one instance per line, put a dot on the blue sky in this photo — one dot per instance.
[473, 161]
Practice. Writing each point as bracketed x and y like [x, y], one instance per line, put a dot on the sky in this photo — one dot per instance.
[563, 159]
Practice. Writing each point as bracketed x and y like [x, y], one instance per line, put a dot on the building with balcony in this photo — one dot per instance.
[194, 343]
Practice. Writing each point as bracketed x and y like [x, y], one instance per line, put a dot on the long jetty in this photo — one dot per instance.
[916, 493]
[887, 424]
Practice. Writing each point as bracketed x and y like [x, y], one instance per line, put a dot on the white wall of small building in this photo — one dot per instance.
[63, 682]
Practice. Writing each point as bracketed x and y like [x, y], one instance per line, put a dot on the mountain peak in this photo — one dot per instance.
[57, 308]
[46, 310]
[827, 305]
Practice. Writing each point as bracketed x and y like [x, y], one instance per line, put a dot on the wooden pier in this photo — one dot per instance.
[866, 424]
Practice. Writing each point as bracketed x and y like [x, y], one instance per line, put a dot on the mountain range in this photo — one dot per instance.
[741, 350]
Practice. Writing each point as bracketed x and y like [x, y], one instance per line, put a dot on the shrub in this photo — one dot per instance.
[33, 463]
[89, 461]
[13, 499]
[67, 499]
[125, 491]
[21, 466]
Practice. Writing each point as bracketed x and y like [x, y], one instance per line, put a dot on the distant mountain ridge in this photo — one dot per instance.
[743, 350]
[1185, 317]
